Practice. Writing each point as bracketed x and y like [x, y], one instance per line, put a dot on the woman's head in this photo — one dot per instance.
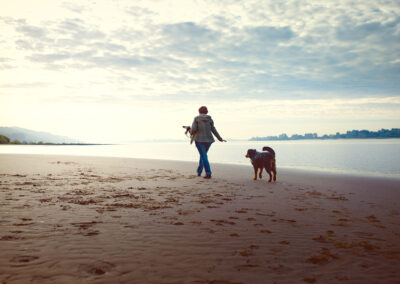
[203, 110]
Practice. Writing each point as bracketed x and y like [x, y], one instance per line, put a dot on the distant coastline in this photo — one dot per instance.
[4, 140]
[57, 144]
[352, 134]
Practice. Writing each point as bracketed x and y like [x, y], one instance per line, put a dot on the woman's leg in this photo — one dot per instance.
[203, 148]
[206, 163]
[201, 165]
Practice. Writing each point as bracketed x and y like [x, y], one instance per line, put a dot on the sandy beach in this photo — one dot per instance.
[67, 219]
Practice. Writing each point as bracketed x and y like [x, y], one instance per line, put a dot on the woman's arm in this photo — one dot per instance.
[215, 132]
[194, 126]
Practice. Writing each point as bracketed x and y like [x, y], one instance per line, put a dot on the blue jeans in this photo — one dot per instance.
[203, 162]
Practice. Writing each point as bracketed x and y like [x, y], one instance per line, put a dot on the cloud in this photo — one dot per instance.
[123, 61]
[188, 39]
[49, 58]
[77, 29]
[267, 34]
[139, 13]
[369, 31]
[357, 109]
[32, 31]
[285, 49]
[6, 63]
[76, 8]
[25, 85]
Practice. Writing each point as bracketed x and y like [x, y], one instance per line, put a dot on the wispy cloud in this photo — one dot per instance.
[25, 85]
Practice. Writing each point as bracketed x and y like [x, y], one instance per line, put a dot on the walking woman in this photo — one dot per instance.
[203, 128]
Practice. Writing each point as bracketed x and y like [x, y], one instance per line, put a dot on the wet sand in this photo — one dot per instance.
[66, 219]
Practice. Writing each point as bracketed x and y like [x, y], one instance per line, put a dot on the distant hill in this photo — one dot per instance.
[31, 136]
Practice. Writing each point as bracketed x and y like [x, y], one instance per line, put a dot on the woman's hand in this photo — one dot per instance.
[223, 140]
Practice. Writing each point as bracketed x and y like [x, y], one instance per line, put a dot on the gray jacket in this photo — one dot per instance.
[202, 127]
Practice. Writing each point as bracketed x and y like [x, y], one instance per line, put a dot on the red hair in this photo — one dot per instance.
[203, 109]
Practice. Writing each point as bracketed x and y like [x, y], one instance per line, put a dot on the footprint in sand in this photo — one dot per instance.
[26, 219]
[10, 238]
[363, 234]
[248, 251]
[310, 279]
[301, 209]
[23, 224]
[323, 257]
[97, 268]
[337, 197]
[211, 231]
[366, 245]
[221, 281]
[317, 259]
[24, 258]
[90, 233]
[222, 222]
[272, 214]
[245, 266]
[290, 221]
[342, 278]
[372, 219]
[314, 193]
[321, 239]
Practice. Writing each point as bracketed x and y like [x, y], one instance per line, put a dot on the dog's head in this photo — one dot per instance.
[251, 153]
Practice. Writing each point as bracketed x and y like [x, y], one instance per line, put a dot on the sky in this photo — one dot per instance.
[118, 71]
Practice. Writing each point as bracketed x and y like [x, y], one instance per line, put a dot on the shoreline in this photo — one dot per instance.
[67, 219]
[305, 170]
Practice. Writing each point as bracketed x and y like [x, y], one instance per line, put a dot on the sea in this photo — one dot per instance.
[363, 157]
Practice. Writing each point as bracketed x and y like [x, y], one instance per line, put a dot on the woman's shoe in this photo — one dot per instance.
[207, 176]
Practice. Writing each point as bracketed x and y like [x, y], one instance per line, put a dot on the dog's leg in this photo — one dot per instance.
[270, 176]
[259, 173]
[274, 169]
[255, 173]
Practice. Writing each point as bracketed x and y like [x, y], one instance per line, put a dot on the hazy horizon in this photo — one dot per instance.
[111, 71]
[74, 140]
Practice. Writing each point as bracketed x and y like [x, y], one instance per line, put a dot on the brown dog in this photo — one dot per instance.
[263, 160]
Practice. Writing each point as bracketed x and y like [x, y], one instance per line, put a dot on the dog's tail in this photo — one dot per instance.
[269, 149]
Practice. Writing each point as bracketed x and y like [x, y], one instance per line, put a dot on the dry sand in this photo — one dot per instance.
[70, 219]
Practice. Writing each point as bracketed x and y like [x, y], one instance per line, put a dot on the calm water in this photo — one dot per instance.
[364, 157]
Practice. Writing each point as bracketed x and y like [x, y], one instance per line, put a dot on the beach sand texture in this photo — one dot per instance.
[66, 219]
